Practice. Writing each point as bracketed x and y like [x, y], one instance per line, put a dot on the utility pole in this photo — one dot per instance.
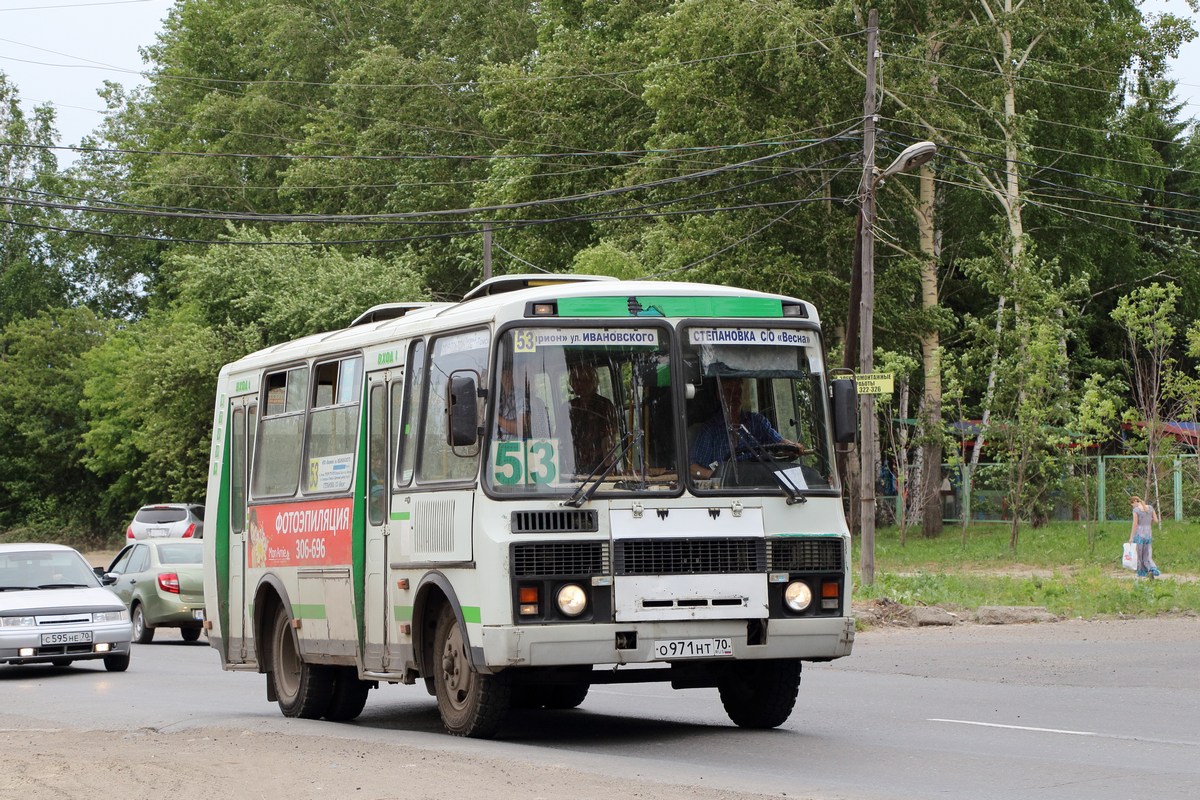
[869, 440]
[487, 250]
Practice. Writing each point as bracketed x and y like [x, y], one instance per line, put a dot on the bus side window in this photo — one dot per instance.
[333, 425]
[439, 461]
[408, 422]
[237, 472]
[377, 486]
[276, 470]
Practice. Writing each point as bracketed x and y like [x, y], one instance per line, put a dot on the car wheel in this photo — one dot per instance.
[470, 703]
[62, 662]
[117, 662]
[142, 633]
[302, 690]
[189, 634]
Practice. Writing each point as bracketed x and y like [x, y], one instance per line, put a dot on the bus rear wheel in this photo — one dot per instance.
[349, 695]
[470, 703]
[760, 694]
[302, 690]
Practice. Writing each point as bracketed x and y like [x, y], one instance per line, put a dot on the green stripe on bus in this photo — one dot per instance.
[670, 307]
[308, 610]
[471, 614]
[400, 515]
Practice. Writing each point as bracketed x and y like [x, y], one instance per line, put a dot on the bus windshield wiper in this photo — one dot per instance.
[584, 491]
[760, 453]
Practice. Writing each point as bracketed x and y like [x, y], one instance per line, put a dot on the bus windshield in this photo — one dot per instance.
[755, 410]
[582, 404]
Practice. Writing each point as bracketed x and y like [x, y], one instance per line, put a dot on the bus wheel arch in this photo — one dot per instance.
[268, 596]
[434, 593]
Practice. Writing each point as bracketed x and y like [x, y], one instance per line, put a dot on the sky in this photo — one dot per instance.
[61, 51]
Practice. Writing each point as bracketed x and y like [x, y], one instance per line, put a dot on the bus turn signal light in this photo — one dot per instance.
[527, 598]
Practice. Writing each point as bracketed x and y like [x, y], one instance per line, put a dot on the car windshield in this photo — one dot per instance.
[755, 413]
[45, 569]
[576, 406]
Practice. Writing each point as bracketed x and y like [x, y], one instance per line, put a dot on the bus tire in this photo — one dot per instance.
[760, 694]
[563, 698]
[302, 690]
[349, 695]
[470, 703]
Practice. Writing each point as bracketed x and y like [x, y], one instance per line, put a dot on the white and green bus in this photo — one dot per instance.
[558, 481]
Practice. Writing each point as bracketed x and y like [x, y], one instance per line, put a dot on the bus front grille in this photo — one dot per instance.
[556, 521]
[566, 559]
[806, 555]
[690, 556]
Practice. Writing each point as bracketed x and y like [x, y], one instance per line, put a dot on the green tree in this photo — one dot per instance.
[43, 478]
[32, 275]
[1147, 315]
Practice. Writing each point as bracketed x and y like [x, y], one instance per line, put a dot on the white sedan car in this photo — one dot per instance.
[54, 609]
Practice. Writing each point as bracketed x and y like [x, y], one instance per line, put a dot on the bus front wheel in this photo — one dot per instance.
[470, 703]
[760, 694]
[302, 690]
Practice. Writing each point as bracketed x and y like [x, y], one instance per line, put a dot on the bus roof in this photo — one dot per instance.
[508, 297]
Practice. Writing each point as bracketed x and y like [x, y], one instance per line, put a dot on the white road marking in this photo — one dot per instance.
[1066, 732]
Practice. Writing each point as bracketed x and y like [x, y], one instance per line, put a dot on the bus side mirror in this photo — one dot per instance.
[464, 411]
[845, 411]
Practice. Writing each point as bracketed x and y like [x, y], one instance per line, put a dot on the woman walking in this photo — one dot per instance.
[1141, 533]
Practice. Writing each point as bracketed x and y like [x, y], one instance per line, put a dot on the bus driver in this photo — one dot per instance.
[713, 440]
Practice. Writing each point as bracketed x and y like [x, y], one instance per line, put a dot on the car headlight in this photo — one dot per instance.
[17, 622]
[797, 595]
[572, 600]
[111, 616]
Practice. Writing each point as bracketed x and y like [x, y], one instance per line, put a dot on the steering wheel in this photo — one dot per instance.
[777, 451]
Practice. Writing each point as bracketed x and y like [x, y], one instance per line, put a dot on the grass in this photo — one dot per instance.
[1055, 567]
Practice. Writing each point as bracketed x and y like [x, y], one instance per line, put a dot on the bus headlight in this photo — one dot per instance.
[797, 595]
[572, 600]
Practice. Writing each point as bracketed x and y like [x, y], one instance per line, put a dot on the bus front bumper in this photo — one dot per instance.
[560, 645]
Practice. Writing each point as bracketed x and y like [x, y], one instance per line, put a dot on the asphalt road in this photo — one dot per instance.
[1053, 711]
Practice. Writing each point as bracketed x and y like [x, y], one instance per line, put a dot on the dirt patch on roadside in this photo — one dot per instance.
[46, 764]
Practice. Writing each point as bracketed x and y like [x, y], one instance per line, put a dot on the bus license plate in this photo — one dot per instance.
[692, 648]
[78, 637]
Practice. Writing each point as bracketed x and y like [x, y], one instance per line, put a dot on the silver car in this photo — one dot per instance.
[178, 520]
[162, 582]
[53, 608]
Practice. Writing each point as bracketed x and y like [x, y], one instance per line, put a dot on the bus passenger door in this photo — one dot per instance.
[376, 615]
[239, 639]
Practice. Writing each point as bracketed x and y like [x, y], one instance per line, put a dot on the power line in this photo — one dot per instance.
[420, 217]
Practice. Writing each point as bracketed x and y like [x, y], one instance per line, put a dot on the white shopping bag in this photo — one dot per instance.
[1129, 555]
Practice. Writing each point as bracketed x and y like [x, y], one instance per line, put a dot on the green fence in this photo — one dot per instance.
[1100, 489]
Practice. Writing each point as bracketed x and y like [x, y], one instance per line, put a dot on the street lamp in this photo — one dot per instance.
[910, 158]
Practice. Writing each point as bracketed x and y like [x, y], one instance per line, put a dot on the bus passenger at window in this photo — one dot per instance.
[593, 419]
[712, 444]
